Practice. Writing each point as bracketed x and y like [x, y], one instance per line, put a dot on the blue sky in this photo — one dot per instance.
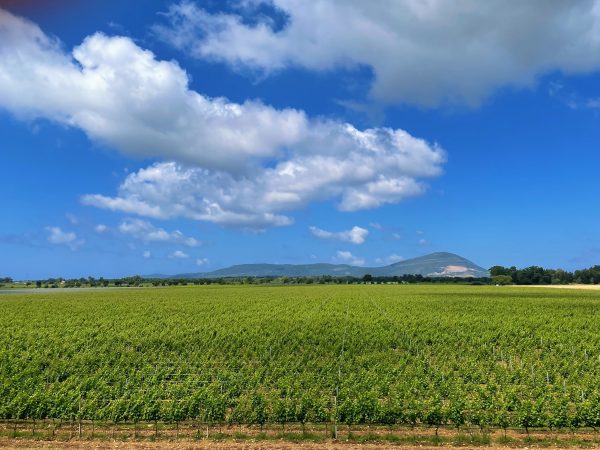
[187, 136]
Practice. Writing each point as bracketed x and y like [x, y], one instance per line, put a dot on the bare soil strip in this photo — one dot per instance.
[248, 445]
[239, 445]
[254, 438]
[590, 287]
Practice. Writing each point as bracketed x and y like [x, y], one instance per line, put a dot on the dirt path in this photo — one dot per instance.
[590, 287]
[186, 438]
[245, 445]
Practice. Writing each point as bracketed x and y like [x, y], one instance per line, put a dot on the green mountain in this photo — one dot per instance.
[439, 264]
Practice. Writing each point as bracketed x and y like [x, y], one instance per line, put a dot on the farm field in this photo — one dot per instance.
[304, 356]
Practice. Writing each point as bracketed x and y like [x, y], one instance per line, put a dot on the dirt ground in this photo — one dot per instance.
[185, 436]
[591, 287]
[246, 445]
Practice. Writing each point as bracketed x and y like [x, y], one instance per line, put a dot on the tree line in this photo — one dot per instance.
[540, 275]
[139, 281]
[498, 275]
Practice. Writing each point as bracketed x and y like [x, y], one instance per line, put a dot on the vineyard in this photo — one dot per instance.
[434, 356]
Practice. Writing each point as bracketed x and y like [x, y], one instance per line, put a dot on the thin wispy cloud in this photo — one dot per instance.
[355, 235]
[57, 236]
[346, 257]
[391, 259]
[145, 231]
[179, 254]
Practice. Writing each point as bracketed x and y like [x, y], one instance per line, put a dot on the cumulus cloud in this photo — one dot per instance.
[145, 231]
[121, 95]
[346, 257]
[421, 52]
[178, 254]
[202, 261]
[357, 169]
[356, 235]
[147, 254]
[169, 190]
[224, 162]
[59, 237]
[100, 228]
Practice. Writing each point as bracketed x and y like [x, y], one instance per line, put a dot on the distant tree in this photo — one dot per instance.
[588, 276]
[498, 270]
[368, 278]
[502, 280]
[560, 276]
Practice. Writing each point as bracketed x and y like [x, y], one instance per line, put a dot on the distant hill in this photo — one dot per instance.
[441, 264]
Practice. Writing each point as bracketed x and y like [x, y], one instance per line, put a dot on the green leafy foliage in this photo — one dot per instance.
[364, 354]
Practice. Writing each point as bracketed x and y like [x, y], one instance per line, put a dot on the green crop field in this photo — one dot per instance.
[381, 354]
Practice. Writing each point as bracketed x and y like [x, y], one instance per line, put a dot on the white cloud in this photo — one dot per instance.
[178, 254]
[202, 261]
[375, 225]
[73, 220]
[423, 242]
[572, 99]
[421, 52]
[358, 169]
[593, 103]
[145, 231]
[346, 257]
[100, 228]
[391, 259]
[229, 163]
[121, 95]
[356, 235]
[59, 237]
[147, 254]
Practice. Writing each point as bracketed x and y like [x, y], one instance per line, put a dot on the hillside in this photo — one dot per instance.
[441, 264]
